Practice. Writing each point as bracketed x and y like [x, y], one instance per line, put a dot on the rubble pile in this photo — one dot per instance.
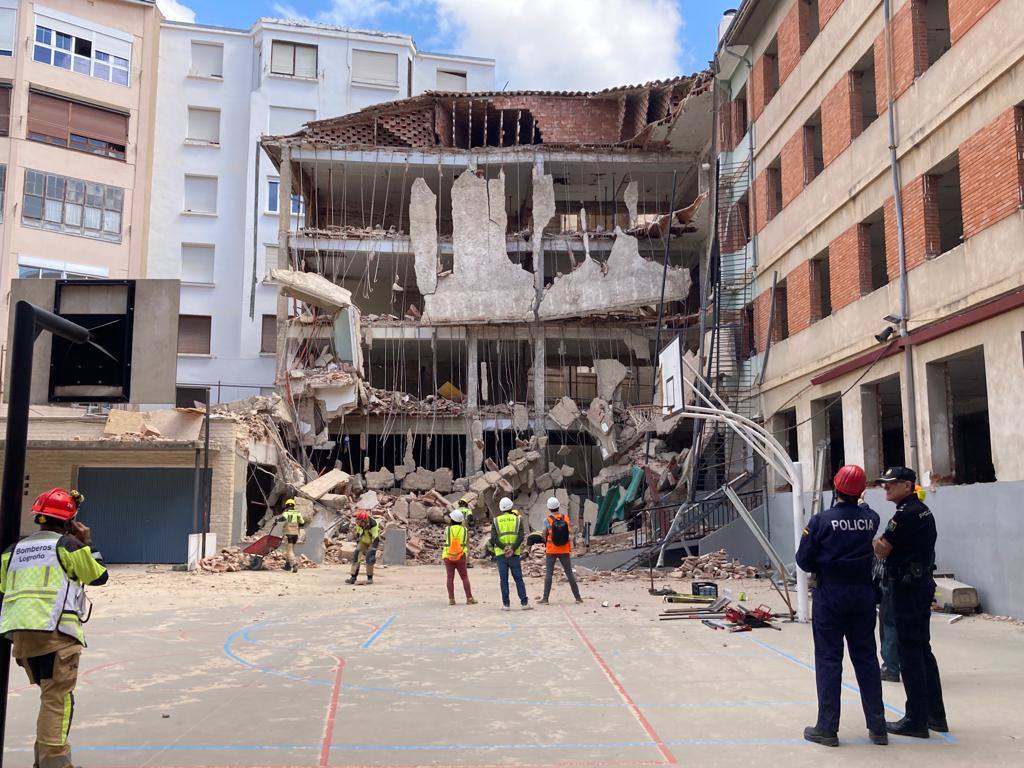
[716, 565]
[234, 560]
[385, 402]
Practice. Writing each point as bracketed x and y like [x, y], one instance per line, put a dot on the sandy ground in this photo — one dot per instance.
[275, 669]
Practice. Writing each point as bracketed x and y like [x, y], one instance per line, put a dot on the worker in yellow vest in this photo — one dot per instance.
[455, 555]
[367, 531]
[293, 523]
[507, 534]
[42, 578]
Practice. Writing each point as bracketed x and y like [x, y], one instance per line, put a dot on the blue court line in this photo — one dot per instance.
[379, 632]
[948, 738]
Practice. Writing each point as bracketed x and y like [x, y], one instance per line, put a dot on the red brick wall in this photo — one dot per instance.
[963, 14]
[849, 264]
[762, 312]
[798, 296]
[841, 118]
[825, 10]
[794, 37]
[762, 87]
[910, 45]
[795, 158]
[920, 225]
[733, 227]
[991, 172]
[732, 124]
[760, 200]
[562, 120]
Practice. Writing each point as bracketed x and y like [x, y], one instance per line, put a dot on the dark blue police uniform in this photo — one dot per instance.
[912, 534]
[836, 546]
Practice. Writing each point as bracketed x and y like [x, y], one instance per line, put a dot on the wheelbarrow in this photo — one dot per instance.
[260, 548]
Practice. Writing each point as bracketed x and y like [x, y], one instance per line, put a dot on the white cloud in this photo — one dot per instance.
[568, 44]
[176, 11]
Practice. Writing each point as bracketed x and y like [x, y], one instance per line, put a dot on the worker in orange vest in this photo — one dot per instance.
[558, 546]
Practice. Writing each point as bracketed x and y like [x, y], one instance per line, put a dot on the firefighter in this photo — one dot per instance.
[293, 523]
[367, 531]
[43, 579]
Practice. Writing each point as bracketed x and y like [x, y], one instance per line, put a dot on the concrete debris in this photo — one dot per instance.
[331, 481]
[716, 565]
[179, 425]
[369, 501]
[312, 288]
[610, 375]
[564, 413]
[233, 560]
[381, 480]
[631, 199]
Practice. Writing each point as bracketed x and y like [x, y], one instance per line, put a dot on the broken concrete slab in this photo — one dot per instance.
[312, 289]
[326, 483]
[368, 501]
[401, 509]
[544, 482]
[630, 197]
[443, 480]
[172, 424]
[380, 481]
[423, 235]
[610, 375]
[420, 480]
[394, 546]
[520, 417]
[417, 510]
[336, 501]
[590, 513]
[564, 413]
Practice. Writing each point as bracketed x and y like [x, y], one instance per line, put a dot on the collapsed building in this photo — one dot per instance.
[470, 284]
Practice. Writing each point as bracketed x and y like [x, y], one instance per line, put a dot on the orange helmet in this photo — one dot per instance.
[362, 516]
[56, 503]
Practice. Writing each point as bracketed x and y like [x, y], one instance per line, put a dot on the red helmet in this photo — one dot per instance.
[56, 503]
[850, 481]
[362, 516]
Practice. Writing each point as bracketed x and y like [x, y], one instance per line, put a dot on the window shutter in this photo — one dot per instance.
[115, 47]
[8, 22]
[282, 58]
[375, 67]
[305, 61]
[451, 81]
[5, 111]
[268, 340]
[99, 124]
[200, 194]
[193, 335]
[207, 59]
[269, 260]
[204, 124]
[197, 263]
[49, 116]
[284, 120]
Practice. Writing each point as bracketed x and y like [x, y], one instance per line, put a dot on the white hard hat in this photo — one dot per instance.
[553, 503]
[505, 505]
[457, 517]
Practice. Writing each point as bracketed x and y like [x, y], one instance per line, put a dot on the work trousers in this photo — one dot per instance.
[514, 565]
[549, 571]
[887, 630]
[920, 671]
[55, 674]
[364, 551]
[452, 567]
[289, 549]
[846, 611]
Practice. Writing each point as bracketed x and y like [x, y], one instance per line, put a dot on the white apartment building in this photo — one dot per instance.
[214, 216]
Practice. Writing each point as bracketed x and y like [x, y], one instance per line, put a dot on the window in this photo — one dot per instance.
[773, 180]
[194, 334]
[810, 14]
[203, 125]
[268, 337]
[375, 68]
[207, 60]
[293, 59]
[270, 262]
[72, 206]
[781, 317]
[197, 263]
[821, 290]
[814, 155]
[944, 184]
[882, 425]
[285, 120]
[827, 428]
[8, 28]
[5, 109]
[273, 191]
[30, 267]
[875, 239]
[937, 14]
[189, 397]
[864, 82]
[451, 81]
[958, 417]
[83, 127]
[771, 70]
[200, 194]
[105, 55]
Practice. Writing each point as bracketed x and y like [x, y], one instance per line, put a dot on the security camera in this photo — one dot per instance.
[885, 334]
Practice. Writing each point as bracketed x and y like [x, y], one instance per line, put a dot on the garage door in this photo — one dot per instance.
[138, 515]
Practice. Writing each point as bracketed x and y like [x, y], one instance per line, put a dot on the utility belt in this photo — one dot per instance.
[908, 573]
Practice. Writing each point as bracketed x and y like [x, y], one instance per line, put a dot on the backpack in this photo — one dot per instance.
[455, 550]
[559, 530]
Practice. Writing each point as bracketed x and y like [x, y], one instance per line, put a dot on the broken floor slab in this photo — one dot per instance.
[324, 484]
[312, 289]
[423, 235]
[610, 374]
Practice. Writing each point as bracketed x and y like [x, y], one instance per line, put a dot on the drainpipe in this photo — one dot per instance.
[908, 353]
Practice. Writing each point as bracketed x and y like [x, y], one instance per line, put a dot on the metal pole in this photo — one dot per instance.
[29, 320]
[207, 485]
[908, 352]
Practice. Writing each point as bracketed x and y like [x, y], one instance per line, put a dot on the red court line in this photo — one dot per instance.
[626, 698]
[332, 711]
[565, 764]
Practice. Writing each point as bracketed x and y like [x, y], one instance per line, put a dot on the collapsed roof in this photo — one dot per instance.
[645, 116]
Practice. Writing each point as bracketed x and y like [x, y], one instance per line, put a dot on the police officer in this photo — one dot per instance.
[836, 547]
[908, 548]
[42, 578]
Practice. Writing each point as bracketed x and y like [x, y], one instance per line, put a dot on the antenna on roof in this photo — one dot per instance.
[505, 85]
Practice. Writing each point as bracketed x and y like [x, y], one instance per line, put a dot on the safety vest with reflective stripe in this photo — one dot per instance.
[455, 531]
[508, 526]
[293, 520]
[38, 594]
[369, 534]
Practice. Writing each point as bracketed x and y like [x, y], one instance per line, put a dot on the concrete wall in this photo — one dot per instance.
[738, 541]
[980, 537]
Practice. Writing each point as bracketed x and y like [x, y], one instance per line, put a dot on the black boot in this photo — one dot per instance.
[889, 676]
[819, 736]
[938, 724]
[903, 727]
[350, 580]
[881, 738]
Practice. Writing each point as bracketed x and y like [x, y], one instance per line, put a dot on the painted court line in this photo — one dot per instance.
[648, 728]
[380, 631]
[332, 711]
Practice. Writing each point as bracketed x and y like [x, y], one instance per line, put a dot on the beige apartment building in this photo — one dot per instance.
[817, 216]
[77, 99]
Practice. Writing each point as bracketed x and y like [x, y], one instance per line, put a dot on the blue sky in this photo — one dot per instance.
[560, 44]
